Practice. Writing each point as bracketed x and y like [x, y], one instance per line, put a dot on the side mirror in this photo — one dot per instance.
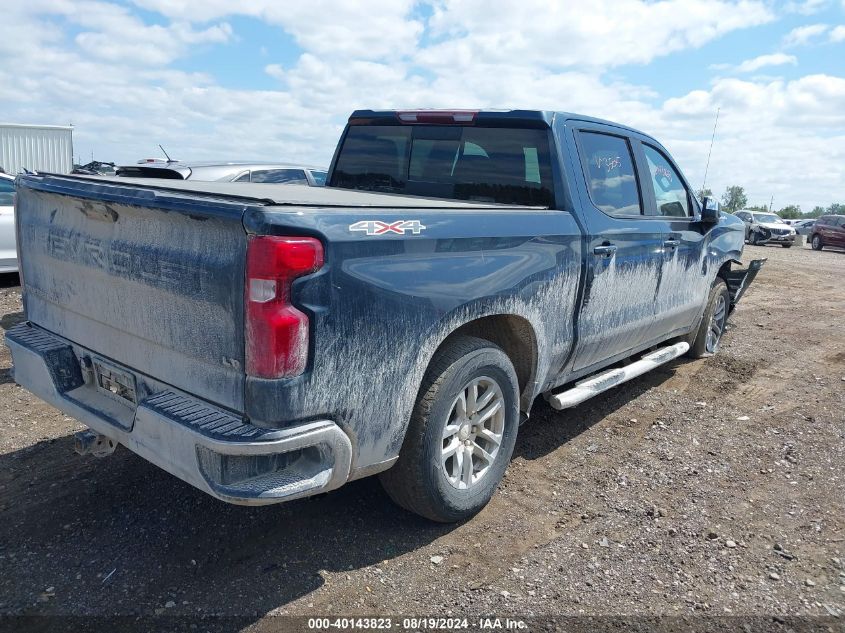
[710, 211]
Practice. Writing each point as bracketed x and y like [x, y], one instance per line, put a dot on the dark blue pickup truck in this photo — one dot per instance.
[265, 343]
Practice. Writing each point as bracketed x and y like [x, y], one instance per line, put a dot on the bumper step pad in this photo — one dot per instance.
[206, 419]
[57, 355]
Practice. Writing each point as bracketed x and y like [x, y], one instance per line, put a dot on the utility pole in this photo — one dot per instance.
[771, 203]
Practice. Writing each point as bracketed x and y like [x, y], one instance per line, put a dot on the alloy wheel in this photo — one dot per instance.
[473, 433]
[717, 324]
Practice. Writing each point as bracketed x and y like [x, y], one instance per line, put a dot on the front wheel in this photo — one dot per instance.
[461, 435]
[817, 243]
[709, 334]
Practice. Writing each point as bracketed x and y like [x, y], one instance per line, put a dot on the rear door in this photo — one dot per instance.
[624, 251]
[824, 228]
[147, 279]
[837, 231]
[684, 283]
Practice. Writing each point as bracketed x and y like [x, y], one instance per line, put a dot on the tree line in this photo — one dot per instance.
[734, 199]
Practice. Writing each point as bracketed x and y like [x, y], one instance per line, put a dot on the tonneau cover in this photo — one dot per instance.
[297, 195]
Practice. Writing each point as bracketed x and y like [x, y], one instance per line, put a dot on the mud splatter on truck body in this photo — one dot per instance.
[136, 294]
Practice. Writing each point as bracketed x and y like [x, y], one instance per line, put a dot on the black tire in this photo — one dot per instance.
[700, 346]
[816, 243]
[787, 245]
[755, 239]
[418, 481]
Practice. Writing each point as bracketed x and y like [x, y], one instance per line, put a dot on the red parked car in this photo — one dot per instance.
[829, 230]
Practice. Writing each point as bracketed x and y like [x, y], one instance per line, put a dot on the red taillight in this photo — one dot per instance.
[443, 117]
[276, 332]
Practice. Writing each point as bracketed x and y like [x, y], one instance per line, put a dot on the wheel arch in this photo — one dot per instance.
[517, 338]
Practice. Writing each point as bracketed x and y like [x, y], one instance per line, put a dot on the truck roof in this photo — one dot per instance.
[491, 118]
[283, 195]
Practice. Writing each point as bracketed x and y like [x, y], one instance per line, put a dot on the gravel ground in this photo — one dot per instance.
[706, 487]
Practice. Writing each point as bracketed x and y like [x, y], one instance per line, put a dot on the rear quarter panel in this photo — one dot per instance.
[383, 304]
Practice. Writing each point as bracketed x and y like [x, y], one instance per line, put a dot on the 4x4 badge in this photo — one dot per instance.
[376, 227]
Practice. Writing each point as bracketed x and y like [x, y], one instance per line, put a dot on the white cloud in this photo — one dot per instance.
[837, 34]
[346, 28]
[785, 139]
[275, 71]
[803, 34]
[119, 87]
[595, 34]
[775, 59]
[806, 7]
[109, 31]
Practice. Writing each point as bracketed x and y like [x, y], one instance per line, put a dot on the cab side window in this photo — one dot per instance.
[609, 170]
[671, 196]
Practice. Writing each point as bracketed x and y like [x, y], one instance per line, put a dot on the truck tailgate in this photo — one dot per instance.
[150, 280]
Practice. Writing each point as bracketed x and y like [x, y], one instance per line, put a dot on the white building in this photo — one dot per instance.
[36, 148]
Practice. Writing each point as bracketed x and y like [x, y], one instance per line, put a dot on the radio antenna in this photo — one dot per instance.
[170, 160]
[709, 152]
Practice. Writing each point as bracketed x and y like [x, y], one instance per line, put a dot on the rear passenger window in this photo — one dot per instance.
[609, 170]
[671, 195]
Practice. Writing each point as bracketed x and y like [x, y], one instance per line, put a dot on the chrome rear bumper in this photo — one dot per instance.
[208, 447]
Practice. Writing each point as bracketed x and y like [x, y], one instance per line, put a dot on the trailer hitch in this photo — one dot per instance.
[88, 442]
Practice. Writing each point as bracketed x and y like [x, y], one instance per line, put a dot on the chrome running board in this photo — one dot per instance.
[590, 387]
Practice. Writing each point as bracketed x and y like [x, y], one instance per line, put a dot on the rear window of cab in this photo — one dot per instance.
[497, 165]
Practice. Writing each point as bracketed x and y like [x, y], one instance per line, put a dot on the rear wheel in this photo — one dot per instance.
[817, 243]
[461, 435]
[709, 334]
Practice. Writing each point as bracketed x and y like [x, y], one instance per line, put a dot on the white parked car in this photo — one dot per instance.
[766, 228]
[8, 250]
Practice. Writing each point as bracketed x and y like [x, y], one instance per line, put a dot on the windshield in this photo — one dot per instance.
[768, 218]
[499, 165]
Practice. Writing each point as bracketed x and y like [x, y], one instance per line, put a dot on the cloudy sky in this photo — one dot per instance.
[276, 79]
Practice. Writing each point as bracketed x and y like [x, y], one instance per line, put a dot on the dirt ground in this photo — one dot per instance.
[706, 487]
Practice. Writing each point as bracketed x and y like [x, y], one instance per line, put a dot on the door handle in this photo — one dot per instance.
[605, 250]
[671, 243]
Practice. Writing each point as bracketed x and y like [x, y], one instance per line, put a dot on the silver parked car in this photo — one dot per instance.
[804, 227]
[766, 228]
[8, 250]
[234, 171]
